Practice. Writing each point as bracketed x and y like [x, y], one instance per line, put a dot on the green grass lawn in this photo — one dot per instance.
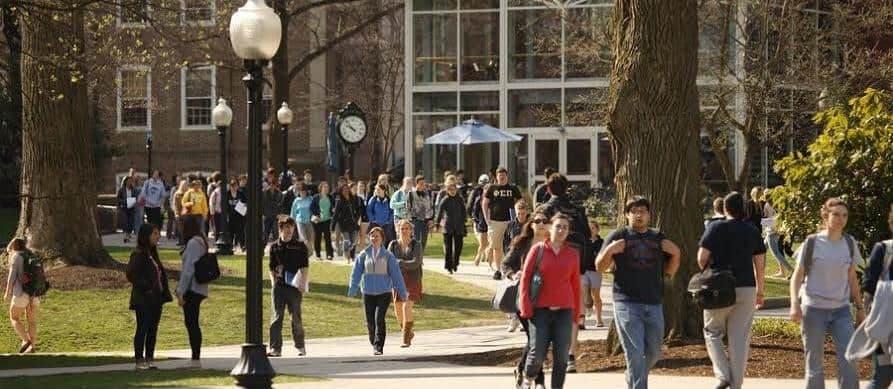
[27, 361]
[99, 320]
[132, 379]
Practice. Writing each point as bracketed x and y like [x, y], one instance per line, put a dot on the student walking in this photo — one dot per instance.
[127, 204]
[21, 303]
[378, 271]
[179, 212]
[535, 231]
[190, 292]
[420, 210]
[321, 208]
[773, 238]
[363, 197]
[400, 198]
[289, 260]
[554, 308]
[825, 283]
[719, 213]
[153, 194]
[733, 244]
[451, 218]
[236, 219]
[195, 204]
[591, 279]
[300, 211]
[148, 294]
[379, 212]
[347, 220]
[638, 255]
[478, 222]
[408, 253]
[270, 200]
[496, 204]
[883, 370]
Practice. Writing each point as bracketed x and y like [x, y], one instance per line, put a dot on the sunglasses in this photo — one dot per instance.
[540, 221]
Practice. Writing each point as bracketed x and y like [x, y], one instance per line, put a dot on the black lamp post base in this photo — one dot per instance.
[254, 370]
[223, 244]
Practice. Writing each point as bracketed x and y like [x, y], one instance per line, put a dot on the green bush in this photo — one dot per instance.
[851, 159]
[775, 329]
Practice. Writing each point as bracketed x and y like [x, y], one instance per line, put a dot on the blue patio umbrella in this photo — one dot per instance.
[471, 132]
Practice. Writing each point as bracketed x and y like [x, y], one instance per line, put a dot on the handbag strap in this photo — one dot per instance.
[539, 257]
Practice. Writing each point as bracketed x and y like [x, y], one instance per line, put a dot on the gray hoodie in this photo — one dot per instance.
[153, 192]
[195, 249]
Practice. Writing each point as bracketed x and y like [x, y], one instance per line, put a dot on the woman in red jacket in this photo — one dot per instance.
[553, 307]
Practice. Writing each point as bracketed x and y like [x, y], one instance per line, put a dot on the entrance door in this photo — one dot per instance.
[572, 153]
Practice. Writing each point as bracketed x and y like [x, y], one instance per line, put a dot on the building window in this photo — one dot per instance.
[585, 107]
[198, 90]
[134, 95]
[434, 38]
[434, 102]
[201, 12]
[133, 13]
[534, 44]
[534, 108]
[587, 46]
[432, 160]
[480, 46]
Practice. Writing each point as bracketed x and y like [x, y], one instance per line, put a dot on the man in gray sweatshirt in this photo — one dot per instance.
[153, 193]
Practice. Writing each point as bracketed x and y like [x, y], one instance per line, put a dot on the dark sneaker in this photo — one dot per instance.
[497, 275]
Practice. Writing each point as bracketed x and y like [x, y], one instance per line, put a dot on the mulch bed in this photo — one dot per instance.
[769, 358]
[69, 278]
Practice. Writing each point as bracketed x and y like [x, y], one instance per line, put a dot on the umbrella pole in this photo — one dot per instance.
[458, 157]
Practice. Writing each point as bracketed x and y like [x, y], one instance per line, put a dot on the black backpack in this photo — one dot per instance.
[206, 268]
[712, 288]
[34, 280]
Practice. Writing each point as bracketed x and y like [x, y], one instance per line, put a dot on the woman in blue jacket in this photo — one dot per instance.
[380, 274]
[380, 214]
[321, 207]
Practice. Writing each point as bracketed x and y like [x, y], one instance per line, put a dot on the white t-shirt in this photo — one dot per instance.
[827, 284]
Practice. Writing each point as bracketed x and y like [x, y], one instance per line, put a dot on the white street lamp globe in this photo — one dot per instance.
[284, 114]
[222, 115]
[255, 31]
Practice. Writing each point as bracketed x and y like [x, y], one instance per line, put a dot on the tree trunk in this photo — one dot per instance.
[58, 194]
[654, 122]
[11, 113]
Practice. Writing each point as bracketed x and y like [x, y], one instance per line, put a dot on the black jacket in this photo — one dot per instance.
[292, 255]
[148, 288]
[579, 236]
[453, 209]
[288, 197]
[347, 213]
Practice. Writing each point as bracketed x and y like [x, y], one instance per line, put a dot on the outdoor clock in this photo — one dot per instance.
[352, 126]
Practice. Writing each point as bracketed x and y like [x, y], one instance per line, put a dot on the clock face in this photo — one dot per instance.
[352, 129]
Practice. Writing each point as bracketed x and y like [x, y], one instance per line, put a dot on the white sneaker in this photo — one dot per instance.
[302, 352]
[514, 323]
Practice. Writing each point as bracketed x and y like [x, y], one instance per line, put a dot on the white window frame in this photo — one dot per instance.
[122, 24]
[183, 97]
[120, 95]
[203, 23]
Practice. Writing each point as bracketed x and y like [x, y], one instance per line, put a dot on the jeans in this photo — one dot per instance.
[772, 240]
[376, 312]
[323, 230]
[127, 220]
[153, 215]
[540, 377]
[641, 330]
[349, 243]
[283, 296]
[549, 326]
[734, 322]
[147, 319]
[191, 307]
[815, 322]
[305, 231]
[883, 374]
[269, 230]
[420, 232]
[452, 250]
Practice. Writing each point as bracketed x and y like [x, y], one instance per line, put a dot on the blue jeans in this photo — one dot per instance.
[420, 232]
[882, 376]
[772, 244]
[815, 322]
[548, 326]
[269, 230]
[641, 330]
[349, 242]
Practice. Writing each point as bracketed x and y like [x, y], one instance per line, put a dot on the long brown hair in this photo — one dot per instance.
[191, 229]
[526, 234]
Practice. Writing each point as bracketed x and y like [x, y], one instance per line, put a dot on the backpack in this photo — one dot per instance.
[809, 248]
[712, 288]
[34, 280]
[206, 268]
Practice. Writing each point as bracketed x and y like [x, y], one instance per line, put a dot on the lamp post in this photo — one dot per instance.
[222, 117]
[284, 115]
[255, 33]
[149, 154]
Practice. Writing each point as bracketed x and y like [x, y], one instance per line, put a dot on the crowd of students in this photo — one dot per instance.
[554, 249]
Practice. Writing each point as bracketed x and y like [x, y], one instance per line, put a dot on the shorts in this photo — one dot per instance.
[588, 281]
[24, 301]
[496, 233]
